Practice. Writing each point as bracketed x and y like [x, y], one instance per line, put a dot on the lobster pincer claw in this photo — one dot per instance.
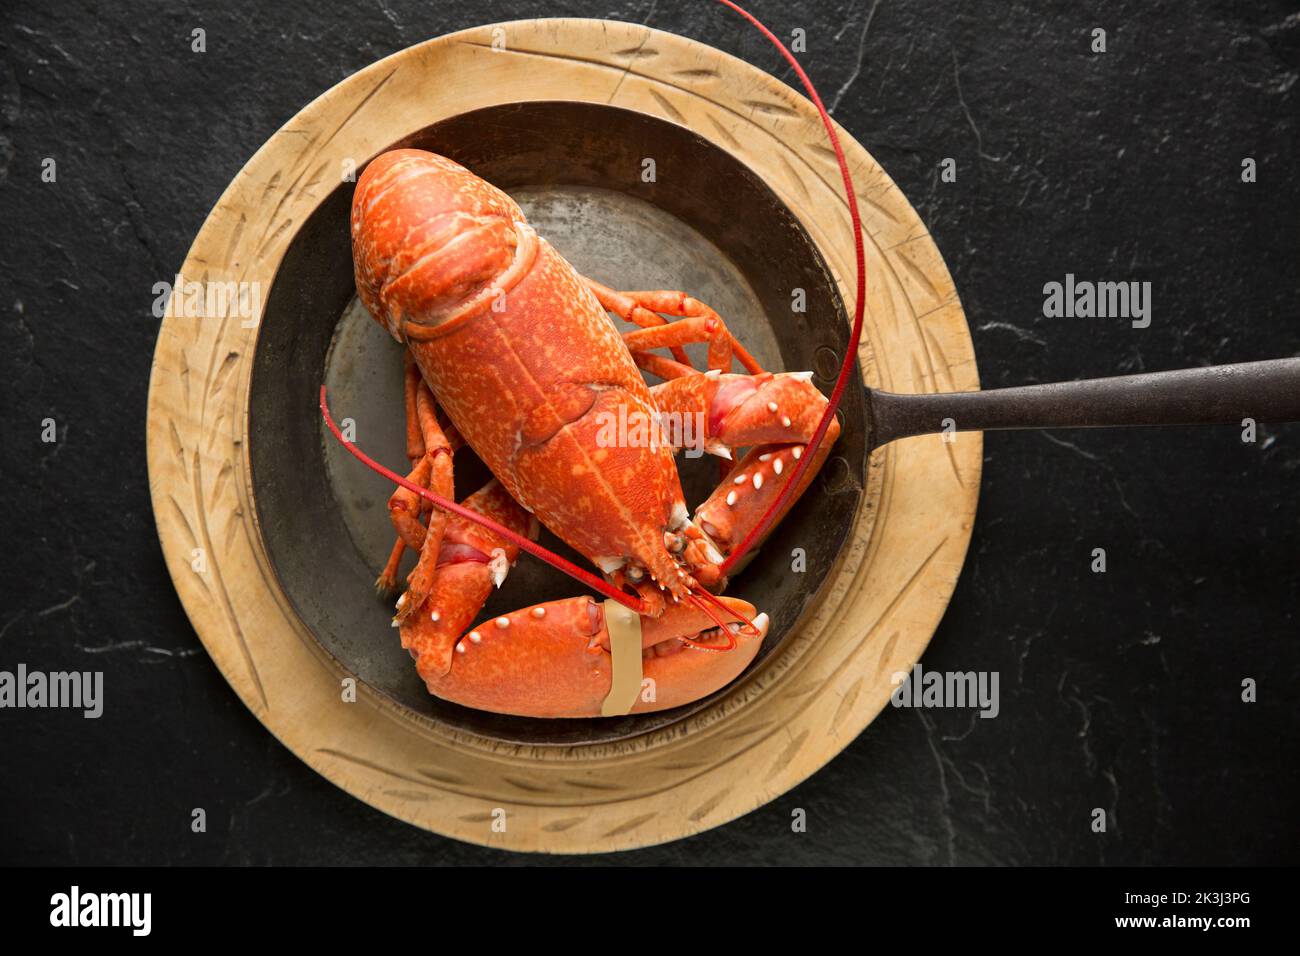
[746, 410]
[554, 660]
[471, 562]
[737, 505]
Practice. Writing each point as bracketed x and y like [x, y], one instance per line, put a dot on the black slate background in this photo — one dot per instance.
[1119, 690]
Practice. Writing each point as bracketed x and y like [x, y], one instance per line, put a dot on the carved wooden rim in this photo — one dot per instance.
[777, 727]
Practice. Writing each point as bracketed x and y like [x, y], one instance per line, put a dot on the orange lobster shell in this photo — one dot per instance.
[519, 353]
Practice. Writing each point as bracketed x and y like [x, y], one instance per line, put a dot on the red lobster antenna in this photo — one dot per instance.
[702, 600]
[846, 369]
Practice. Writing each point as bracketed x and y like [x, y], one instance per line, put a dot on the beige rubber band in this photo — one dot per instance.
[624, 628]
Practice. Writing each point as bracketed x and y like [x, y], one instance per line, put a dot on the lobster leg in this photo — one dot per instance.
[639, 307]
[404, 512]
[629, 310]
[411, 385]
[694, 329]
[386, 583]
[433, 471]
[437, 452]
[666, 369]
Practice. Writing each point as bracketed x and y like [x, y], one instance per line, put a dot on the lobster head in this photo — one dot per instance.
[423, 255]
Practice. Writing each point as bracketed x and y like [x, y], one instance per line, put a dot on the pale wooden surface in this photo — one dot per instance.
[776, 727]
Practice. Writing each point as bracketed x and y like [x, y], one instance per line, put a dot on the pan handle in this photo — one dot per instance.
[1216, 395]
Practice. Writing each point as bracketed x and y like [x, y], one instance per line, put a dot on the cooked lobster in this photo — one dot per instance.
[511, 351]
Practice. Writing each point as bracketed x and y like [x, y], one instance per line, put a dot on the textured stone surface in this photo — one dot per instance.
[1118, 691]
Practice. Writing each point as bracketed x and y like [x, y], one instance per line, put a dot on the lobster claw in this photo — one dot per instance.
[746, 410]
[553, 659]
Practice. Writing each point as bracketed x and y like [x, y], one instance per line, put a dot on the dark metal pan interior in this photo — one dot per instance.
[704, 223]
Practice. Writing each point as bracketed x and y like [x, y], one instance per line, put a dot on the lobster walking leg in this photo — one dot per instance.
[438, 459]
[694, 329]
[386, 583]
[404, 512]
[665, 368]
[638, 307]
[411, 385]
[626, 308]
[431, 454]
